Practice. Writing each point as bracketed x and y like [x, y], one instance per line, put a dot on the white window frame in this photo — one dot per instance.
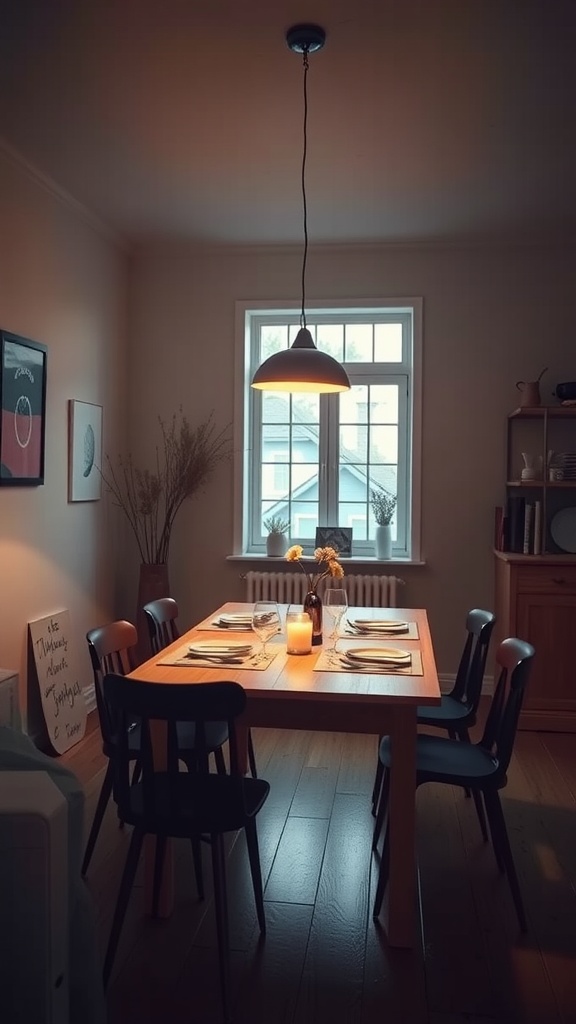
[246, 479]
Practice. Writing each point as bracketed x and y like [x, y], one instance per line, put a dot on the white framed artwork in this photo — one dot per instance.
[85, 451]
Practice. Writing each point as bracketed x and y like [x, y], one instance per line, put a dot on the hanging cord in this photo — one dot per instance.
[304, 203]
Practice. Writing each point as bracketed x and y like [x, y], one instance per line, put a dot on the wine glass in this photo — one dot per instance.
[335, 605]
[265, 623]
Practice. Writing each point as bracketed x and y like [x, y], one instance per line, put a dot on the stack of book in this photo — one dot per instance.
[518, 526]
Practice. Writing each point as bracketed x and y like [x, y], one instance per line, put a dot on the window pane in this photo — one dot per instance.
[273, 338]
[305, 408]
[304, 519]
[359, 343]
[306, 476]
[305, 444]
[353, 444]
[275, 407]
[388, 343]
[383, 444]
[355, 516]
[384, 403]
[354, 405]
[275, 438]
[330, 339]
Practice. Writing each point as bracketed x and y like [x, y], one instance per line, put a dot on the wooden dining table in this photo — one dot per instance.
[292, 693]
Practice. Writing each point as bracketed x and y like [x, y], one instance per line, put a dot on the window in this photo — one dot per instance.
[313, 459]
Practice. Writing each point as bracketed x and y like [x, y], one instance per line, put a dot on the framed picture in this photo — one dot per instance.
[338, 537]
[85, 451]
[23, 409]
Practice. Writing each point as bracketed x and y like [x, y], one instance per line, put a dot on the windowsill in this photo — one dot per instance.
[352, 560]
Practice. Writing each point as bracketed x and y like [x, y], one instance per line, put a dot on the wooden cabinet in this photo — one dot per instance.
[536, 600]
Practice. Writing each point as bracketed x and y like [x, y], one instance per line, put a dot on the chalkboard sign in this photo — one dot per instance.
[61, 694]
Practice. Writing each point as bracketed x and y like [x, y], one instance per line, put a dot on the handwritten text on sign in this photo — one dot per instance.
[60, 690]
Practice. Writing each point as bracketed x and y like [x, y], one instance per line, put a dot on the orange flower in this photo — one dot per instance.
[328, 564]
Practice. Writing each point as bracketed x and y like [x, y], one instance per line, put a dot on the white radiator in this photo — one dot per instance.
[291, 587]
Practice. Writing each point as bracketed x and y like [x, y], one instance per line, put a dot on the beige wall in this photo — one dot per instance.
[491, 316]
[64, 284]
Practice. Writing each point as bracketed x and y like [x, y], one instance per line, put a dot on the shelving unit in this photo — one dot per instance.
[555, 425]
[535, 594]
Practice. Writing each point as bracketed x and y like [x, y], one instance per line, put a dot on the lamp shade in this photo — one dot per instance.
[301, 368]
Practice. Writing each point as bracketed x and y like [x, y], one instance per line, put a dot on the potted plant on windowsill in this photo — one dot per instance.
[276, 539]
[383, 506]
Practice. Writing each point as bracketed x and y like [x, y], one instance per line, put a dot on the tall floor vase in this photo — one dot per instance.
[152, 584]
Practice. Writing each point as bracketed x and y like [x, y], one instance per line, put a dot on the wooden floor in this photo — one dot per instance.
[324, 960]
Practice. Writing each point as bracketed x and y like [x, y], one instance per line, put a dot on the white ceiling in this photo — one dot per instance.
[428, 119]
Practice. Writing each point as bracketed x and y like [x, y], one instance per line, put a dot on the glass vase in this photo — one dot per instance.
[313, 606]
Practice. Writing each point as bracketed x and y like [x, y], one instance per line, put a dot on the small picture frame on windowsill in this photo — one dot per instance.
[337, 537]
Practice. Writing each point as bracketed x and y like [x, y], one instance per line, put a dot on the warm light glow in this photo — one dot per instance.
[299, 633]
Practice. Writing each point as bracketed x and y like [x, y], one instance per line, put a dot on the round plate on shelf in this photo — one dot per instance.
[563, 529]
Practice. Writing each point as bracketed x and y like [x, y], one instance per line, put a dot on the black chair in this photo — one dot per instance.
[161, 616]
[458, 709]
[113, 648]
[479, 766]
[197, 805]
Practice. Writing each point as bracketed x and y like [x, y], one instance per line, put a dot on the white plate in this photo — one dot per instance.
[384, 655]
[211, 647]
[386, 625]
[563, 529]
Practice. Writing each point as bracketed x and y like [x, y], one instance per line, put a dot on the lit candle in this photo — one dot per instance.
[298, 633]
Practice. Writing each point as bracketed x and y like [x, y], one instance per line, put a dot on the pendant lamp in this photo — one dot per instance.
[302, 367]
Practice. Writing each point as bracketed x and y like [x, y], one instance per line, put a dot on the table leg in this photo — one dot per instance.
[402, 825]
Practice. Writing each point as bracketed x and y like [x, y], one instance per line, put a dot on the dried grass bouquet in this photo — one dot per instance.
[151, 499]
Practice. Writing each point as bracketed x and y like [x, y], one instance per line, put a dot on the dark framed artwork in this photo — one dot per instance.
[23, 409]
[338, 537]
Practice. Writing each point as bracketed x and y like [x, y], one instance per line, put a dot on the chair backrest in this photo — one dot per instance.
[160, 709]
[113, 648]
[514, 660]
[161, 617]
[470, 675]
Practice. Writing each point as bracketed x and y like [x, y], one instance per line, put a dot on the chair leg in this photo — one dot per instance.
[480, 812]
[383, 872]
[377, 781]
[159, 855]
[126, 884]
[382, 807]
[251, 756]
[463, 735]
[105, 791]
[219, 760]
[198, 873]
[256, 871]
[221, 911]
[496, 815]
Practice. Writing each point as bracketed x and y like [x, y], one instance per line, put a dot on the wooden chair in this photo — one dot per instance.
[458, 709]
[161, 616]
[479, 766]
[197, 805]
[113, 648]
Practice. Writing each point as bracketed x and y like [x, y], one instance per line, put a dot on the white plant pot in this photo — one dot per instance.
[383, 542]
[276, 545]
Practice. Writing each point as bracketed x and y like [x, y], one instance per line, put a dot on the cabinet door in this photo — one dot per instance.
[548, 621]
